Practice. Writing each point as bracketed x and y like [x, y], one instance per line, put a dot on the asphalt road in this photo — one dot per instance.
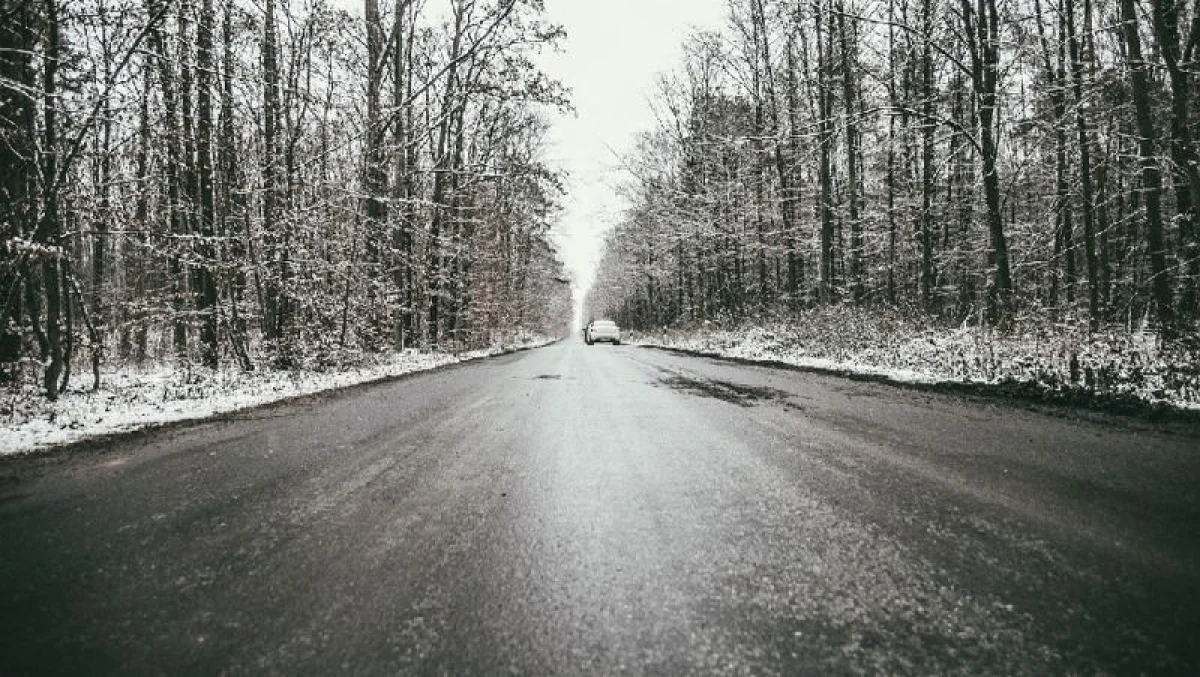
[610, 510]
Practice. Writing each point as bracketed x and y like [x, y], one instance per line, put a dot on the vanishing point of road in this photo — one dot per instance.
[580, 510]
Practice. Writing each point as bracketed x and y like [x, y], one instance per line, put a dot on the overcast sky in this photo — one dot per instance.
[614, 51]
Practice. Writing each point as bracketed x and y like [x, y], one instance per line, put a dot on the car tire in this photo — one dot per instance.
[616, 343]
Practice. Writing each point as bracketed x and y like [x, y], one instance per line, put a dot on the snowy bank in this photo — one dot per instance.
[1051, 361]
[130, 400]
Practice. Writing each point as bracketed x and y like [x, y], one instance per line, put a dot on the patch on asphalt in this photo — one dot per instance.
[548, 377]
[12, 497]
[727, 391]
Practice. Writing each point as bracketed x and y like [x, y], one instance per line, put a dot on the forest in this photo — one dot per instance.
[1011, 167]
[271, 185]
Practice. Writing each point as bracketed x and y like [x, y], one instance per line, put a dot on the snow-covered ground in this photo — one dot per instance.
[1052, 359]
[131, 400]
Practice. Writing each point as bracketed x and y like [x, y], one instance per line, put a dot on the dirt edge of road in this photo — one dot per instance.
[1125, 412]
[16, 467]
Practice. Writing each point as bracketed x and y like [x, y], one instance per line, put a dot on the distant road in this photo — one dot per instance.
[610, 510]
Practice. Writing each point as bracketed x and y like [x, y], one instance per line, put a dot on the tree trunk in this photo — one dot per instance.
[927, 129]
[374, 176]
[828, 283]
[1185, 163]
[233, 203]
[104, 213]
[171, 165]
[789, 184]
[984, 41]
[402, 186]
[18, 172]
[848, 46]
[49, 230]
[1139, 80]
[187, 280]
[206, 291]
[275, 311]
[436, 248]
[1087, 191]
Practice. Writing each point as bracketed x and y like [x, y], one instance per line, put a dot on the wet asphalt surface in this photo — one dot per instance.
[610, 510]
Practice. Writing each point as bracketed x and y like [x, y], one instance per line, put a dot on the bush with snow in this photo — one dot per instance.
[1063, 358]
[131, 399]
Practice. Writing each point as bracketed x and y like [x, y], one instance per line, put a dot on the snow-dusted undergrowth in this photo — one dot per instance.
[1062, 359]
[132, 399]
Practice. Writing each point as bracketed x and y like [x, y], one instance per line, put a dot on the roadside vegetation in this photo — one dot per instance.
[135, 398]
[1122, 371]
[1000, 190]
[240, 187]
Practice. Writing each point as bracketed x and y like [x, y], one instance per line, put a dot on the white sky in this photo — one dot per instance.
[613, 53]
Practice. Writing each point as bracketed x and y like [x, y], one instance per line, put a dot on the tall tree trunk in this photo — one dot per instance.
[49, 231]
[436, 266]
[134, 332]
[983, 35]
[189, 181]
[1139, 80]
[828, 281]
[374, 175]
[233, 202]
[1087, 191]
[171, 165]
[891, 177]
[927, 129]
[374, 171]
[275, 301]
[1179, 61]
[103, 215]
[206, 287]
[848, 47]
[18, 171]
[402, 185]
[962, 109]
[760, 69]
[459, 236]
[789, 179]
[1064, 249]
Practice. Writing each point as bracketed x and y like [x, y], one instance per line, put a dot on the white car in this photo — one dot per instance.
[602, 330]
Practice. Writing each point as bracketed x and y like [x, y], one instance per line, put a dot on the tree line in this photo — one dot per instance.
[277, 183]
[973, 161]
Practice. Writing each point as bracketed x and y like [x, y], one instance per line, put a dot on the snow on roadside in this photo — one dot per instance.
[1052, 359]
[129, 400]
[765, 352]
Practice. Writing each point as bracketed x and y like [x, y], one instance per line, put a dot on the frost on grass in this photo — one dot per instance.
[130, 399]
[1051, 359]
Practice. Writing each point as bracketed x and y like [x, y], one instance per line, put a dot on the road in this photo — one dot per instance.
[605, 510]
